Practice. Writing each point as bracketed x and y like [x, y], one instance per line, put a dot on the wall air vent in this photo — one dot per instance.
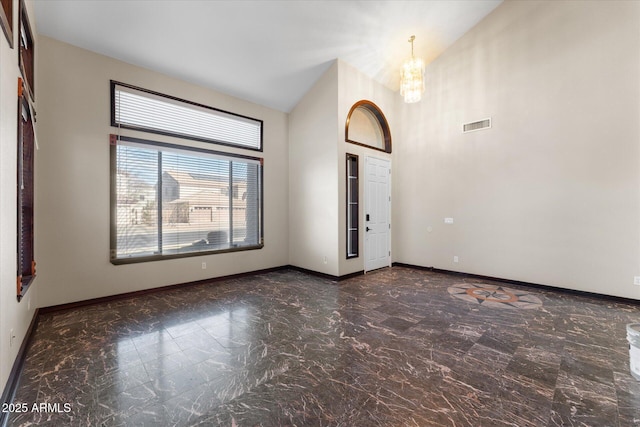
[479, 125]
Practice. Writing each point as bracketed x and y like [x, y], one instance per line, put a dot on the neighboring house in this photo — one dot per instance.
[134, 196]
[199, 198]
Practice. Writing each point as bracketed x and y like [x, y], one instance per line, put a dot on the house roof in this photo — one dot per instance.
[198, 180]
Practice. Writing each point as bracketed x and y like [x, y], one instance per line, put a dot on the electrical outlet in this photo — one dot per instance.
[204, 265]
[455, 258]
[325, 260]
[636, 280]
[448, 220]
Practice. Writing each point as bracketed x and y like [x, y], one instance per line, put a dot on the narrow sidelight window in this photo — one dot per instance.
[352, 206]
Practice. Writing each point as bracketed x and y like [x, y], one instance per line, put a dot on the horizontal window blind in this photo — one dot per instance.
[169, 201]
[140, 109]
[26, 196]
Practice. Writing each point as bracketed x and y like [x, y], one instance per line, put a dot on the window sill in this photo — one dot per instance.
[149, 258]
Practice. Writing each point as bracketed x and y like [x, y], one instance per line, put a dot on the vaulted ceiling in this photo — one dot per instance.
[267, 52]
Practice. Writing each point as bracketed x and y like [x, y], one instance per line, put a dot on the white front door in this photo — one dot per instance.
[377, 213]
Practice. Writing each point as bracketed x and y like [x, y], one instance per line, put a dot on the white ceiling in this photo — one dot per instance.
[267, 52]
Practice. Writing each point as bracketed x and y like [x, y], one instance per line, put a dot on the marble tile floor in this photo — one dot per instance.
[394, 347]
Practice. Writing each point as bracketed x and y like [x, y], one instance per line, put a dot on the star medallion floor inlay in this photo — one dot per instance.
[495, 296]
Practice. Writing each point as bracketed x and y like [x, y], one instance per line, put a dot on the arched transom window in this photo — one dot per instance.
[366, 125]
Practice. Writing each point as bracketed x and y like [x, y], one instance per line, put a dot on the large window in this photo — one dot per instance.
[27, 50]
[141, 109]
[6, 19]
[171, 201]
[26, 156]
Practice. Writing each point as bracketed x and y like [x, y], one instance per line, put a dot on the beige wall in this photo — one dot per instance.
[13, 315]
[550, 194]
[317, 148]
[354, 86]
[313, 173]
[73, 180]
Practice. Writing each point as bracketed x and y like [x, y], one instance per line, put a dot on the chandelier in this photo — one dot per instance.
[411, 78]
